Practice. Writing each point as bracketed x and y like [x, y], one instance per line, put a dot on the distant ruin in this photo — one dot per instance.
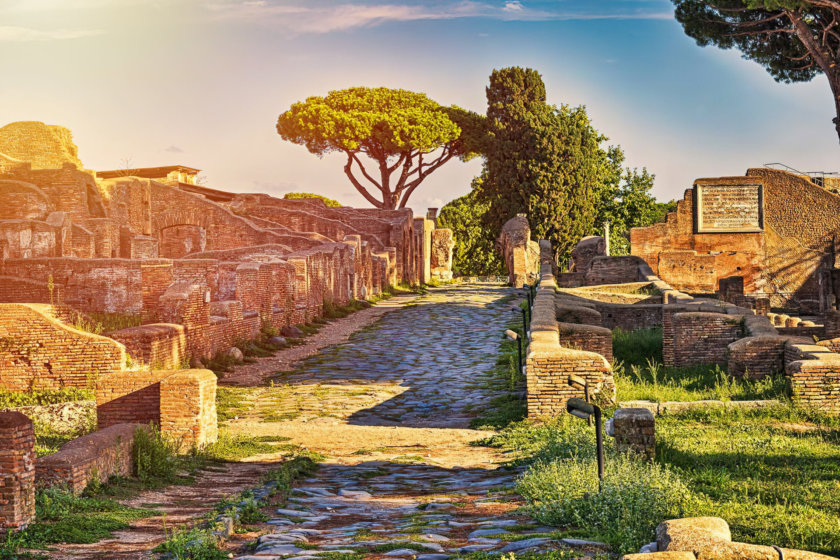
[774, 228]
[195, 269]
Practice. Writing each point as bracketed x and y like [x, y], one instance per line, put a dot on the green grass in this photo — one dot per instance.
[771, 473]
[507, 379]
[98, 323]
[237, 447]
[36, 397]
[640, 375]
[62, 517]
[232, 402]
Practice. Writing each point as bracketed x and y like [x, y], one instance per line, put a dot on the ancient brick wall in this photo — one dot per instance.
[576, 314]
[630, 317]
[38, 351]
[799, 220]
[157, 345]
[586, 250]
[91, 285]
[182, 403]
[549, 365]
[814, 373]
[90, 458]
[703, 338]
[613, 270]
[586, 337]
[441, 254]
[43, 145]
[17, 471]
[21, 290]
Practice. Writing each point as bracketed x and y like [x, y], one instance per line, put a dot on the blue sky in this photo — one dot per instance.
[155, 82]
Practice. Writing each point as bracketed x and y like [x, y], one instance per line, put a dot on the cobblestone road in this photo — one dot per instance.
[391, 410]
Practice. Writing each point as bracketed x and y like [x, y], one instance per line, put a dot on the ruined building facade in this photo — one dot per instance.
[774, 228]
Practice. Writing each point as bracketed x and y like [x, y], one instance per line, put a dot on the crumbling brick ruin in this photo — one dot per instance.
[773, 228]
[198, 269]
[574, 313]
[520, 253]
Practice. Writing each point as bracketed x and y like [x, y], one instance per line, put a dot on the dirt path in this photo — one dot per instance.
[180, 504]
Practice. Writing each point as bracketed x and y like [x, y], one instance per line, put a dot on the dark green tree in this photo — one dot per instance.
[475, 249]
[401, 135]
[541, 160]
[794, 40]
[625, 201]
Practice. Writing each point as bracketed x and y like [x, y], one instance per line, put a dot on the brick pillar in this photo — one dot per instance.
[17, 471]
[635, 430]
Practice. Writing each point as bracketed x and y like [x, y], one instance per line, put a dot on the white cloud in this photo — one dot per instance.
[174, 149]
[25, 34]
[324, 19]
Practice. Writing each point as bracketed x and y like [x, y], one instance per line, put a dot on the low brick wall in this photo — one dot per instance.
[614, 270]
[576, 314]
[93, 457]
[586, 337]
[549, 365]
[17, 471]
[631, 317]
[182, 403]
[814, 373]
[38, 351]
[703, 338]
[158, 345]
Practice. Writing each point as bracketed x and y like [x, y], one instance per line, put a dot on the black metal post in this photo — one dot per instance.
[519, 347]
[524, 323]
[599, 444]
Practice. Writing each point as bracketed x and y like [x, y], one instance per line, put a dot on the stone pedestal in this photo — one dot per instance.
[634, 430]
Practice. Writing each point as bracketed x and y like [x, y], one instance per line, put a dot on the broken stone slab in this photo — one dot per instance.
[486, 533]
[357, 494]
[524, 544]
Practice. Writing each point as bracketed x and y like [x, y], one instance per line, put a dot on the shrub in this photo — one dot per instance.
[155, 456]
[635, 497]
[191, 544]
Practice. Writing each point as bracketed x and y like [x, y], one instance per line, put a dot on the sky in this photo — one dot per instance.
[144, 83]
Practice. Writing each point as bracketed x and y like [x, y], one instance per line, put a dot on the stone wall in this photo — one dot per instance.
[586, 337]
[634, 430]
[613, 270]
[38, 351]
[814, 373]
[17, 471]
[630, 317]
[157, 345]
